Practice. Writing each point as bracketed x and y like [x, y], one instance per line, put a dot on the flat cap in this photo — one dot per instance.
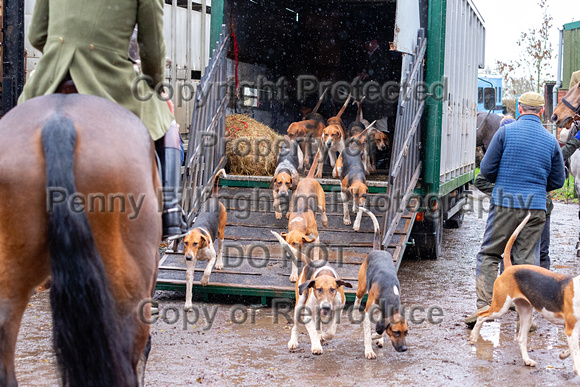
[532, 99]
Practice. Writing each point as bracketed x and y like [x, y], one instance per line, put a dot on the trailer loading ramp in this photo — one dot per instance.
[254, 264]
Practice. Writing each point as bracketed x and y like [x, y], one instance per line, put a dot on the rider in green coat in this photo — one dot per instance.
[88, 42]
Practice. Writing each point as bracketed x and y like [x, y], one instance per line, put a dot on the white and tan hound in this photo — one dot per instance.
[207, 230]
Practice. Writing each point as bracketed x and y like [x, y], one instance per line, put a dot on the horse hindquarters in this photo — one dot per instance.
[86, 334]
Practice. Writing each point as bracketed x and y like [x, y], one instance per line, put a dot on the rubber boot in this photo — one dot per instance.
[484, 297]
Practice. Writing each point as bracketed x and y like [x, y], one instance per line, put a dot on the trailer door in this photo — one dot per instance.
[407, 24]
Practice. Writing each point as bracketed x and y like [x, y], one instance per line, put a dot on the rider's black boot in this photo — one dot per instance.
[170, 157]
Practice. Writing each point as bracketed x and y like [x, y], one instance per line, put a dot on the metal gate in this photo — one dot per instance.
[405, 166]
[206, 146]
[12, 53]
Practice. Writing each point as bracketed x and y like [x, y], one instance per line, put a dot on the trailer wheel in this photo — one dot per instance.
[456, 220]
[434, 251]
[428, 237]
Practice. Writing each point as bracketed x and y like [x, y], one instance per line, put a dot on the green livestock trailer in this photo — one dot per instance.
[434, 49]
[571, 54]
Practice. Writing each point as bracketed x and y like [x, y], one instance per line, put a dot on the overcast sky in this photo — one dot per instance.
[506, 19]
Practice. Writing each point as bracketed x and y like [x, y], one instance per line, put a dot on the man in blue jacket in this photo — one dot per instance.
[524, 161]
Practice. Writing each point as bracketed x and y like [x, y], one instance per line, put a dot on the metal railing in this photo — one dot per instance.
[405, 160]
[206, 148]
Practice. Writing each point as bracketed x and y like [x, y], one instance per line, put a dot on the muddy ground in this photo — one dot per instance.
[256, 353]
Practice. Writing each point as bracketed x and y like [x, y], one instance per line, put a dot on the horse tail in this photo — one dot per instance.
[507, 261]
[86, 335]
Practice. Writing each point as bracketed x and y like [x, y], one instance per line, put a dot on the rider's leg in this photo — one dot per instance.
[169, 152]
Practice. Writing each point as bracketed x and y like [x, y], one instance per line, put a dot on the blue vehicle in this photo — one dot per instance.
[486, 83]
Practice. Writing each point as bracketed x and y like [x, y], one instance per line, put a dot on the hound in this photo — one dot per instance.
[555, 296]
[333, 138]
[286, 177]
[381, 141]
[374, 136]
[310, 130]
[306, 201]
[353, 185]
[358, 140]
[208, 228]
[377, 276]
[319, 293]
[360, 123]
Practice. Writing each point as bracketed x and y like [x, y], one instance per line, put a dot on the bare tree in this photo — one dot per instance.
[535, 60]
[537, 46]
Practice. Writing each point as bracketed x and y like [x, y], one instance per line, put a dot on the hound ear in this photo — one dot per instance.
[303, 286]
[273, 182]
[294, 185]
[343, 283]
[382, 326]
[308, 239]
[353, 192]
[283, 234]
[204, 241]
[386, 139]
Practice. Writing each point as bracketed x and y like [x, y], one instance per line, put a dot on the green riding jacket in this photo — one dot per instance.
[90, 41]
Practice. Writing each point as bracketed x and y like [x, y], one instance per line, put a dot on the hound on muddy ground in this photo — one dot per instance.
[319, 294]
[554, 296]
[207, 230]
[377, 276]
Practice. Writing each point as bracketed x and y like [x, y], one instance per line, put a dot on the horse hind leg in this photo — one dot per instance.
[23, 259]
[143, 363]
[15, 290]
[11, 312]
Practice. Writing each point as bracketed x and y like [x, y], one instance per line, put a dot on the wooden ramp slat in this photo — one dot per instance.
[255, 263]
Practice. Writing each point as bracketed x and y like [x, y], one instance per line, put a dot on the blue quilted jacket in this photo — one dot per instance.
[524, 161]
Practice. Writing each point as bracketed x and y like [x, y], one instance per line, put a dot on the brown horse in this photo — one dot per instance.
[78, 203]
[568, 109]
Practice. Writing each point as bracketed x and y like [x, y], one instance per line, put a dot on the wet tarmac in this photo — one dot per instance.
[255, 352]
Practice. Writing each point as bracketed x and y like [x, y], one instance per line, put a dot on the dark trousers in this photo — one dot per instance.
[545, 245]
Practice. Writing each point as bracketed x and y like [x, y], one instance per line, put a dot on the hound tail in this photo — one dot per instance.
[359, 112]
[344, 106]
[377, 240]
[296, 255]
[313, 166]
[320, 100]
[369, 128]
[507, 262]
[89, 347]
[216, 182]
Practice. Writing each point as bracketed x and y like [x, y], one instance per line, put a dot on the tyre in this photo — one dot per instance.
[428, 237]
[456, 220]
